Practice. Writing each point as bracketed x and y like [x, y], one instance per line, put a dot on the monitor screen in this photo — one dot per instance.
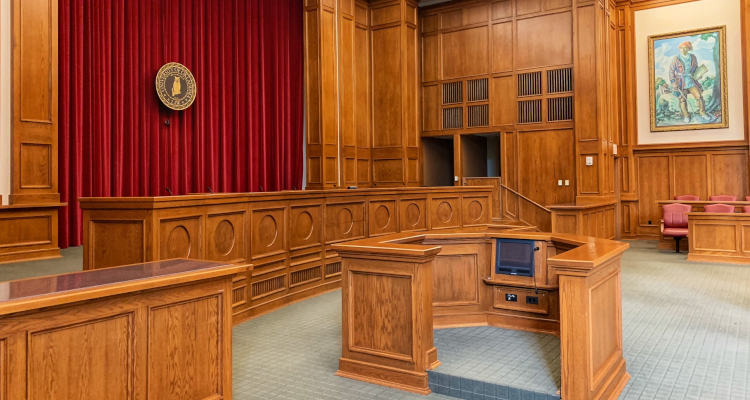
[514, 257]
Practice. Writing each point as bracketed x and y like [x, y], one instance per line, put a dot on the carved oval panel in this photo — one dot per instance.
[303, 228]
[382, 217]
[178, 243]
[267, 231]
[444, 212]
[413, 214]
[475, 210]
[346, 222]
[224, 237]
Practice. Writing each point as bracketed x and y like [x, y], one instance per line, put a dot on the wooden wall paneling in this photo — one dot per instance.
[456, 276]
[181, 235]
[693, 175]
[550, 37]
[445, 212]
[34, 103]
[729, 173]
[475, 211]
[538, 177]
[382, 217]
[133, 230]
[413, 214]
[344, 220]
[657, 187]
[226, 233]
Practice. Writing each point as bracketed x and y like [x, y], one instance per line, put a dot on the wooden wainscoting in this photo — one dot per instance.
[28, 232]
[287, 236]
[663, 174]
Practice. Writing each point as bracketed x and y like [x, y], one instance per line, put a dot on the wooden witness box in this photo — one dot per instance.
[159, 330]
[398, 288]
[287, 235]
[719, 237]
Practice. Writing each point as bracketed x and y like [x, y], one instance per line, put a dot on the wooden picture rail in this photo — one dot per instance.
[287, 236]
[669, 243]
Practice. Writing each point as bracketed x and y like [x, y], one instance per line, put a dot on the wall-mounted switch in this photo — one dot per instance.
[559, 182]
[455, 179]
[614, 149]
[567, 182]
[589, 161]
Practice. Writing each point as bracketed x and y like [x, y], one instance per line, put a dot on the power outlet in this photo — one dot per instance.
[532, 300]
[511, 297]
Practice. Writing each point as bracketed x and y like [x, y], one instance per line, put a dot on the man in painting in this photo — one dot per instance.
[681, 74]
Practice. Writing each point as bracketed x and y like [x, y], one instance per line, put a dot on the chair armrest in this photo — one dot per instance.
[661, 226]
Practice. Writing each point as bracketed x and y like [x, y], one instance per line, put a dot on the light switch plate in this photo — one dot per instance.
[455, 179]
[589, 161]
[614, 149]
[567, 182]
[559, 182]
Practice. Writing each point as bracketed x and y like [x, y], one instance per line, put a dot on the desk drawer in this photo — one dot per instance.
[525, 299]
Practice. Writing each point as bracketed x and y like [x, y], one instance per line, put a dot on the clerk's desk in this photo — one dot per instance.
[159, 330]
[396, 289]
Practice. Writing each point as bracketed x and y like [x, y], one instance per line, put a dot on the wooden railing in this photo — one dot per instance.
[519, 207]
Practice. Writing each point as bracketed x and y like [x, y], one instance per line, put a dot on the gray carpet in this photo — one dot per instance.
[686, 335]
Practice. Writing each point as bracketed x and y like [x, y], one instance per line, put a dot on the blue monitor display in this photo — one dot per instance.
[514, 257]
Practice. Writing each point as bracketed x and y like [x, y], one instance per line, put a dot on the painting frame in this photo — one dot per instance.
[722, 75]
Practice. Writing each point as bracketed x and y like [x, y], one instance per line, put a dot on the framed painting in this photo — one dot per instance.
[688, 80]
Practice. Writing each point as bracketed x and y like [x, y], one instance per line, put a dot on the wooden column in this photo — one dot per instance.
[387, 335]
[395, 85]
[28, 227]
[593, 366]
[321, 91]
[34, 175]
[592, 80]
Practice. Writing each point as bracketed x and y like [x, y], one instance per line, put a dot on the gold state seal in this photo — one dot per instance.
[175, 86]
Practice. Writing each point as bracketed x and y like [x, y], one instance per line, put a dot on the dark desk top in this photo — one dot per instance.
[51, 286]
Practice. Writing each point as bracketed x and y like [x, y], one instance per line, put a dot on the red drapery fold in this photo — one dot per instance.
[243, 133]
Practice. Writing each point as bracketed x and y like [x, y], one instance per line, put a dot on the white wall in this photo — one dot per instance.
[694, 15]
[5, 99]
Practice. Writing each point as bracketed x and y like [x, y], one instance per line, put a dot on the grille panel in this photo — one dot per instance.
[530, 111]
[453, 118]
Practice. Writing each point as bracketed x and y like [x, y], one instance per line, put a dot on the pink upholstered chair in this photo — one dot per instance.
[675, 222]
[747, 198]
[687, 197]
[722, 197]
[718, 208]
[747, 209]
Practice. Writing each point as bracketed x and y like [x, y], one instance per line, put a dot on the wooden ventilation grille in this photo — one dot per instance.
[479, 115]
[333, 269]
[453, 118]
[453, 93]
[529, 111]
[477, 90]
[530, 84]
[268, 287]
[560, 109]
[560, 80]
[305, 276]
[239, 295]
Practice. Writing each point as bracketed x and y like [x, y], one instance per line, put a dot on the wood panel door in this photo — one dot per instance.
[544, 159]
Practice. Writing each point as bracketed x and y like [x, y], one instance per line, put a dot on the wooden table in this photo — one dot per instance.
[397, 288]
[719, 237]
[159, 330]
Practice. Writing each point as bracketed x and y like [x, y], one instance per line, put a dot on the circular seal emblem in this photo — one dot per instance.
[175, 86]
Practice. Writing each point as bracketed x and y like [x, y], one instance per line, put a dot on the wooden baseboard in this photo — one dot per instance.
[28, 232]
[410, 381]
[498, 320]
[32, 255]
[253, 312]
[718, 258]
[618, 378]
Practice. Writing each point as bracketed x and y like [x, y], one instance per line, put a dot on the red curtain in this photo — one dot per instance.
[243, 133]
